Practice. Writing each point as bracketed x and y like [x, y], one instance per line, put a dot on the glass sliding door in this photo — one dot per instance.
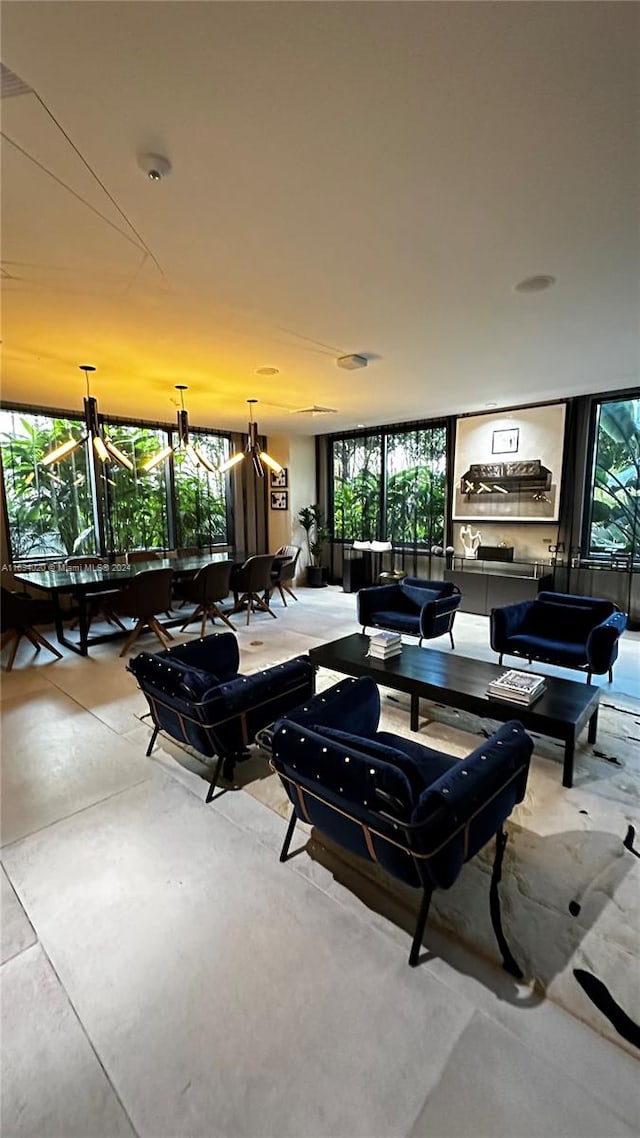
[416, 478]
[357, 487]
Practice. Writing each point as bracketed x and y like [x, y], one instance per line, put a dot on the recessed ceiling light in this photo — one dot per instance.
[491, 404]
[535, 284]
[267, 371]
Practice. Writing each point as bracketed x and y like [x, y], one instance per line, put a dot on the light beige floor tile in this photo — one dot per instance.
[233, 998]
[52, 1083]
[16, 931]
[495, 1087]
[58, 758]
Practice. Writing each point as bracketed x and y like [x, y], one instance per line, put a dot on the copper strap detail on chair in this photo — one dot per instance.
[302, 803]
[407, 826]
[243, 728]
[367, 837]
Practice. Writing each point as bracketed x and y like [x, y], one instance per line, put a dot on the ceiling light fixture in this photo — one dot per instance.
[104, 448]
[259, 458]
[183, 441]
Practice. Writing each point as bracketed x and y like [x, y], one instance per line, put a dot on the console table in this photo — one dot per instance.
[488, 584]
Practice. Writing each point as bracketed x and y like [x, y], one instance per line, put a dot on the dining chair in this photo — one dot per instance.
[283, 571]
[135, 556]
[20, 615]
[97, 602]
[210, 585]
[250, 584]
[141, 598]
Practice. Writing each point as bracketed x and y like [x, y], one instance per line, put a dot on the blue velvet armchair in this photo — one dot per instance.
[197, 696]
[417, 812]
[415, 606]
[562, 629]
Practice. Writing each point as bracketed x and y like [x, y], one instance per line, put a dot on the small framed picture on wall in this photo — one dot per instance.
[279, 499]
[279, 479]
[506, 442]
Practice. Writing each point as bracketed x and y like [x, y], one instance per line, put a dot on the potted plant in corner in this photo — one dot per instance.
[311, 519]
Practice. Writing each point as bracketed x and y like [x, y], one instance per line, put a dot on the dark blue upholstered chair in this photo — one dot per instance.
[562, 629]
[419, 813]
[414, 606]
[197, 696]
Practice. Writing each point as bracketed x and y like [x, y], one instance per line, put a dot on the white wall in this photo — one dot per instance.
[299, 457]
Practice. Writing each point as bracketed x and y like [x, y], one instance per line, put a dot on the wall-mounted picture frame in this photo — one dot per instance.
[505, 441]
[508, 465]
[279, 499]
[279, 479]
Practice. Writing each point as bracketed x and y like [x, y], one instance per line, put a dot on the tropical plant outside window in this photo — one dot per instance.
[136, 501]
[416, 486]
[615, 503]
[357, 483]
[201, 516]
[49, 510]
[413, 487]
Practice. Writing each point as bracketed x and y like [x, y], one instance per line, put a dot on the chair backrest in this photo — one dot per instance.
[210, 584]
[254, 576]
[134, 556]
[83, 562]
[148, 593]
[284, 563]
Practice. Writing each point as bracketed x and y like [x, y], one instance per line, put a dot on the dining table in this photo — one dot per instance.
[81, 583]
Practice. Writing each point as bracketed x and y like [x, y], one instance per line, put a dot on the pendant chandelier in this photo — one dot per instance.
[104, 448]
[183, 443]
[259, 458]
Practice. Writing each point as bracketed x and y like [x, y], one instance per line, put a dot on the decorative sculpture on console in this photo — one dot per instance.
[470, 541]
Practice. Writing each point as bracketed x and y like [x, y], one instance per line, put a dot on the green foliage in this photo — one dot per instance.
[615, 509]
[415, 487]
[311, 519]
[49, 509]
[135, 500]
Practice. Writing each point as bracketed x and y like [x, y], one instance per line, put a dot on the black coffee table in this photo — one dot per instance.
[457, 681]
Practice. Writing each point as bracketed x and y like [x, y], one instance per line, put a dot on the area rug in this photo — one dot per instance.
[571, 876]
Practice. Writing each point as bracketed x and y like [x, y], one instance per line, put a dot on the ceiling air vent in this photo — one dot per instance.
[11, 84]
[315, 410]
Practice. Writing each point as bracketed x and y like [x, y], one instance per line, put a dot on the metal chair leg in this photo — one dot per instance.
[451, 639]
[288, 836]
[508, 962]
[420, 924]
[152, 740]
[214, 779]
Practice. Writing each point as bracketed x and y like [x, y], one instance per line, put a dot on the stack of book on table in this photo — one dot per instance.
[384, 645]
[519, 687]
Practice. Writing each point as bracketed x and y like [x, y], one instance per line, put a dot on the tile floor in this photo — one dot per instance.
[163, 975]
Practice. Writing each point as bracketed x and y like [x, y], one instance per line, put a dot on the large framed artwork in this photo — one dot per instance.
[508, 465]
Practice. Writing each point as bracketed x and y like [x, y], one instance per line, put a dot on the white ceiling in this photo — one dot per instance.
[347, 177]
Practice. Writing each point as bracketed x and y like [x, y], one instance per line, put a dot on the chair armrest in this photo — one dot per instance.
[373, 599]
[506, 621]
[602, 640]
[433, 610]
[243, 692]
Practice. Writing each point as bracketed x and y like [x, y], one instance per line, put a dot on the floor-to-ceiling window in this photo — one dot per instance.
[201, 517]
[357, 485]
[614, 508]
[136, 513]
[390, 484]
[50, 508]
[78, 504]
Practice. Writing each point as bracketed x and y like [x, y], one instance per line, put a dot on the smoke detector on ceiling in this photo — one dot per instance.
[155, 166]
[352, 362]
